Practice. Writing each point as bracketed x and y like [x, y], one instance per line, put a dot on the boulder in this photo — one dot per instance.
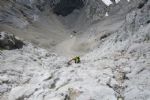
[9, 41]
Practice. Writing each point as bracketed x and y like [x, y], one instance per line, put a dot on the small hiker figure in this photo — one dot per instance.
[75, 60]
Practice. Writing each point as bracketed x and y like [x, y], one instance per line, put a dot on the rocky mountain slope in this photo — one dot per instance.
[114, 50]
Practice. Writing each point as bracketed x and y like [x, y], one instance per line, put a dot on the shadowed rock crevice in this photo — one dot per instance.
[65, 7]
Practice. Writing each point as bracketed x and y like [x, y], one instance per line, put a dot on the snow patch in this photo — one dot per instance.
[117, 1]
[107, 2]
[106, 14]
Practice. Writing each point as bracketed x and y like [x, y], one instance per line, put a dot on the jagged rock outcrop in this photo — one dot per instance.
[135, 20]
[95, 10]
[9, 41]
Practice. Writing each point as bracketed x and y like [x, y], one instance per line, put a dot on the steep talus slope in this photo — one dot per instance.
[117, 64]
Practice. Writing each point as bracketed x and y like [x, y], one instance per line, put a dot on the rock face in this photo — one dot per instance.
[95, 9]
[8, 41]
[136, 19]
[21, 13]
[25, 12]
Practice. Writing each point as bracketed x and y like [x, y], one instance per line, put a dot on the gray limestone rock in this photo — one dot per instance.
[9, 41]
